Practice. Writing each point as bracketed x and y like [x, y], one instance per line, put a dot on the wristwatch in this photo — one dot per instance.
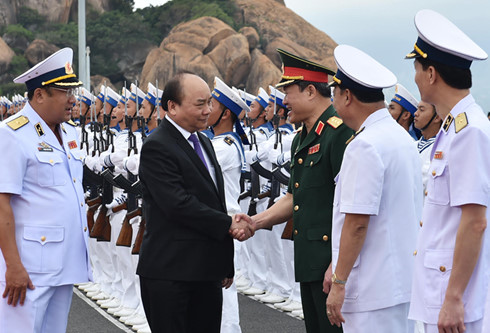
[337, 281]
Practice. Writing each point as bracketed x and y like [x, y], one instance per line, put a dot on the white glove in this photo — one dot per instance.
[119, 200]
[92, 162]
[115, 158]
[132, 164]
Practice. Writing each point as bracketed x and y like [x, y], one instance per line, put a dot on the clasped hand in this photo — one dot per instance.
[242, 227]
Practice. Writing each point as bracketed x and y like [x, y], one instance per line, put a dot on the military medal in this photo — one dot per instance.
[314, 149]
[44, 147]
[72, 144]
[438, 155]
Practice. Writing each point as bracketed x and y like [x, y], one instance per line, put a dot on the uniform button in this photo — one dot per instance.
[81, 204]
[295, 232]
[51, 161]
[426, 193]
[311, 163]
[43, 238]
[85, 229]
[300, 160]
[415, 252]
[325, 238]
[442, 269]
[296, 208]
[69, 157]
[296, 185]
[74, 180]
[421, 223]
[433, 172]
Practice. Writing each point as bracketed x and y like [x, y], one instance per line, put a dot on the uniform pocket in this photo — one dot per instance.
[314, 174]
[50, 169]
[42, 248]
[438, 187]
[438, 265]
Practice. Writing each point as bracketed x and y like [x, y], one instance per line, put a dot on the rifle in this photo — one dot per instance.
[139, 237]
[159, 119]
[94, 128]
[84, 141]
[102, 227]
[126, 234]
[254, 192]
[275, 189]
[129, 124]
[93, 205]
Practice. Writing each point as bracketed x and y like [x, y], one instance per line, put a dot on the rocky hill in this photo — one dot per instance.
[241, 51]
[245, 59]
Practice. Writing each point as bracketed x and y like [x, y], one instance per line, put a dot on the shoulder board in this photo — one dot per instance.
[18, 122]
[461, 122]
[229, 140]
[335, 121]
[71, 122]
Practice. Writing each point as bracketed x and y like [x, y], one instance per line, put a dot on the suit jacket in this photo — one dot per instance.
[186, 237]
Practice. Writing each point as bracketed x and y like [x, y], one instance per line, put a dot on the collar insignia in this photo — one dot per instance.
[319, 127]
[448, 121]
[353, 136]
[39, 129]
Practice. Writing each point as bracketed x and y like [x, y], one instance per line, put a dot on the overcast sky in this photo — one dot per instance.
[384, 29]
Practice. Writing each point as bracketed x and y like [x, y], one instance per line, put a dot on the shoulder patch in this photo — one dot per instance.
[335, 121]
[71, 122]
[229, 140]
[461, 122]
[18, 122]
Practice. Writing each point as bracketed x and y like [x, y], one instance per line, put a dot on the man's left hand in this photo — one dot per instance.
[226, 283]
[451, 317]
[335, 301]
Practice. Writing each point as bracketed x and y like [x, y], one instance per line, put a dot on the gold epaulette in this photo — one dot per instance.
[461, 122]
[335, 121]
[18, 122]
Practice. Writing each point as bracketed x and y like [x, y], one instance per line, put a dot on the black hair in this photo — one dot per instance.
[173, 90]
[454, 77]
[30, 93]
[364, 96]
[321, 87]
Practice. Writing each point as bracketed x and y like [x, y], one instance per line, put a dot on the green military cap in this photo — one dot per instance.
[296, 68]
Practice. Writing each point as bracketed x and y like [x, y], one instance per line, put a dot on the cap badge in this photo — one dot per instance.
[68, 68]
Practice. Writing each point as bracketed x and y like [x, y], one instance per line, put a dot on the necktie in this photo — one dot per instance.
[197, 147]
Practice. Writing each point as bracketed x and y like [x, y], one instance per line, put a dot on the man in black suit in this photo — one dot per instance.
[187, 251]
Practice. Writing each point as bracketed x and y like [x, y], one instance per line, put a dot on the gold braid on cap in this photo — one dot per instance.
[337, 80]
[419, 51]
[59, 78]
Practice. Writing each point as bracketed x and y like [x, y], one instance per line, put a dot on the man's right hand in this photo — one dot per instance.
[16, 283]
[242, 227]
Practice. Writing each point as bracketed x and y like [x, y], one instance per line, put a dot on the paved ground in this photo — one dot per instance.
[86, 316]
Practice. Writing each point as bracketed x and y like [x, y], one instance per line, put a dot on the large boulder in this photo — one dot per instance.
[6, 55]
[263, 73]
[253, 37]
[279, 25]
[39, 50]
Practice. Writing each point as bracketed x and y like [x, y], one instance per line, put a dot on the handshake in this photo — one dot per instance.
[242, 227]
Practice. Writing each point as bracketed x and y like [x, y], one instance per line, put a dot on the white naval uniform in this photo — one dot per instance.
[257, 265]
[229, 152]
[459, 175]
[45, 180]
[424, 147]
[380, 176]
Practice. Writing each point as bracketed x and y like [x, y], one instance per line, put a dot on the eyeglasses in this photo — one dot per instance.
[69, 92]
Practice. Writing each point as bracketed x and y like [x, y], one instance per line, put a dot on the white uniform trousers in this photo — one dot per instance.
[473, 327]
[45, 311]
[277, 271]
[230, 317]
[387, 320]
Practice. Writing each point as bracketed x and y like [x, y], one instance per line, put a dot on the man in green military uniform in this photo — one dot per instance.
[316, 156]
